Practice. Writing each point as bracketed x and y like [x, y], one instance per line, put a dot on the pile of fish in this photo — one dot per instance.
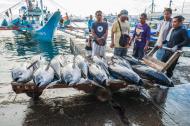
[71, 70]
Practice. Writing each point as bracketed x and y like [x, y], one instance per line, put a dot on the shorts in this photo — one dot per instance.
[98, 50]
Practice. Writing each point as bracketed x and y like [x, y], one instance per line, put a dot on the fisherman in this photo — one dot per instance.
[99, 34]
[176, 39]
[47, 16]
[120, 28]
[105, 19]
[141, 37]
[90, 22]
[163, 31]
[67, 21]
[88, 46]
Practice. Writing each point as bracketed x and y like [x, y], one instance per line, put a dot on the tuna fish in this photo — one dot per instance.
[98, 74]
[59, 62]
[123, 73]
[71, 74]
[83, 66]
[121, 61]
[24, 72]
[132, 60]
[149, 73]
[44, 75]
[102, 63]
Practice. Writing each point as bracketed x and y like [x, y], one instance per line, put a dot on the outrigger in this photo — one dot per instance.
[32, 24]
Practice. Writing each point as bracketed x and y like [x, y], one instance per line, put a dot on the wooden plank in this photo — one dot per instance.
[152, 64]
[87, 87]
[150, 54]
[157, 64]
[155, 61]
[172, 59]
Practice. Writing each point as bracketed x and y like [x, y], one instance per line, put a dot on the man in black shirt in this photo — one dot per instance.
[177, 39]
[99, 34]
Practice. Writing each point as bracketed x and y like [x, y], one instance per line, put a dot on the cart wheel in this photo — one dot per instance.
[34, 95]
[103, 94]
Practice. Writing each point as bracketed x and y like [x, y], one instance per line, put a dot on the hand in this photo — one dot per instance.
[158, 45]
[130, 42]
[174, 49]
[112, 45]
[98, 40]
[145, 48]
[127, 46]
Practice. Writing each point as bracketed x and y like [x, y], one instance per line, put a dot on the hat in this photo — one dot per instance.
[123, 13]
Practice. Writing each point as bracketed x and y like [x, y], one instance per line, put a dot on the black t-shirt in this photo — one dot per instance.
[100, 28]
[179, 37]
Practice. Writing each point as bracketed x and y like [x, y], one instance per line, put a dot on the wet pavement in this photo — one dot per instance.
[72, 108]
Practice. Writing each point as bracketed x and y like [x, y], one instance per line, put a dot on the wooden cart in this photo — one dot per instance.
[102, 93]
[157, 64]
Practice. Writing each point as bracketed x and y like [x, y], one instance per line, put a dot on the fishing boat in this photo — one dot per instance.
[35, 22]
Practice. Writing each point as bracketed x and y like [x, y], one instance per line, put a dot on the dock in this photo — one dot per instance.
[168, 106]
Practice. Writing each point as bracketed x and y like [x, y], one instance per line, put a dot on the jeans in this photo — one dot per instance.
[120, 51]
[138, 52]
[165, 58]
[160, 52]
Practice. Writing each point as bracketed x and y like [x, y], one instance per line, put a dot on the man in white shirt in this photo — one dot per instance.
[163, 31]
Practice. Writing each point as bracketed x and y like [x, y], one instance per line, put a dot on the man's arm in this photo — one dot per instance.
[132, 39]
[112, 35]
[104, 37]
[186, 39]
[95, 37]
[159, 28]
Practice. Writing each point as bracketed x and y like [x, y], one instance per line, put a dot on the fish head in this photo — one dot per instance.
[39, 80]
[21, 74]
[43, 76]
[68, 78]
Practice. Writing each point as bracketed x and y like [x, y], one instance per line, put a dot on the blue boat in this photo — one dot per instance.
[33, 24]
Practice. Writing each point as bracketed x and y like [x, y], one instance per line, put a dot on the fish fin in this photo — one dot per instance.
[32, 64]
[48, 66]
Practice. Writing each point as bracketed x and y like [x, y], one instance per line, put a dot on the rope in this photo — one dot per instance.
[1, 13]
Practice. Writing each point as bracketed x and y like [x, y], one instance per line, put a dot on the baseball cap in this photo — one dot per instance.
[123, 13]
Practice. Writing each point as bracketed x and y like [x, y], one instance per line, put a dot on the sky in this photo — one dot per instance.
[87, 7]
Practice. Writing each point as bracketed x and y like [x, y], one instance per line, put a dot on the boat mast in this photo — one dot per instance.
[183, 6]
[152, 10]
[41, 3]
[170, 4]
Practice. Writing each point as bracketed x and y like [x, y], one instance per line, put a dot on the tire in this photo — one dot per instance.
[34, 95]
